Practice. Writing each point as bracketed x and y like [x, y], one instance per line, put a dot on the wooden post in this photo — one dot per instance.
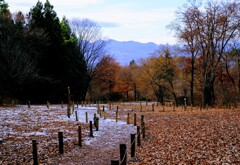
[138, 136]
[117, 107]
[143, 126]
[60, 138]
[62, 104]
[98, 109]
[76, 114]
[73, 108]
[48, 104]
[69, 98]
[114, 162]
[135, 119]
[34, 151]
[94, 119]
[105, 115]
[29, 104]
[97, 123]
[80, 136]
[91, 129]
[153, 107]
[132, 145]
[100, 114]
[116, 116]
[86, 117]
[103, 108]
[128, 115]
[123, 154]
[68, 112]
[110, 106]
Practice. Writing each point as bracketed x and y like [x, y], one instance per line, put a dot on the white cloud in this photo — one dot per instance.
[122, 21]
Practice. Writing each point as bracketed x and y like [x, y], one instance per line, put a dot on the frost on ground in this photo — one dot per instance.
[20, 125]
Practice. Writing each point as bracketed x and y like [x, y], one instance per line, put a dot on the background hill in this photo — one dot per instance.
[125, 51]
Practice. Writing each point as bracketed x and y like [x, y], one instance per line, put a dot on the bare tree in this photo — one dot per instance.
[212, 28]
[91, 44]
[186, 33]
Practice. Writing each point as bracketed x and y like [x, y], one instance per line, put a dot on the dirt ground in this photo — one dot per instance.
[173, 135]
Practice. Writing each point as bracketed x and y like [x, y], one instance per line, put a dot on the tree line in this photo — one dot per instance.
[40, 56]
[203, 69]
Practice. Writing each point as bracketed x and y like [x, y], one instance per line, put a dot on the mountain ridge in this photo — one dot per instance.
[125, 51]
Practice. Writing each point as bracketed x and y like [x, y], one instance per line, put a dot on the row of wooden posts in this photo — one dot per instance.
[96, 123]
[123, 147]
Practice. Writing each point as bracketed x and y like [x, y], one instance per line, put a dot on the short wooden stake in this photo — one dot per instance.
[34, 151]
[94, 119]
[138, 136]
[114, 162]
[97, 124]
[143, 126]
[132, 145]
[80, 136]
[117, 107]
[128, 116]
[135, 119]
[86, 117]
[60, 139]
[123, 154]
[68, 111]
[62, 104]
[105, 115]
[29, 104]
[103, 108]
[116, 116]
[48, 104]
[69, 97]
[76, 114]
[98, 111]
[73, 108]
[91, 129]
[100, 114]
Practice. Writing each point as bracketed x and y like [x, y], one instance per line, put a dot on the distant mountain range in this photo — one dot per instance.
[125, 51]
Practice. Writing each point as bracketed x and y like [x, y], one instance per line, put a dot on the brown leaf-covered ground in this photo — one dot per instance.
[193, 136]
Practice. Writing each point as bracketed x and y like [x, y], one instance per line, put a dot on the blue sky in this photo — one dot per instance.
[122, 20]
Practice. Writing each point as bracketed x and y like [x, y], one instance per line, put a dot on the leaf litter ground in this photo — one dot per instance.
[180, 137]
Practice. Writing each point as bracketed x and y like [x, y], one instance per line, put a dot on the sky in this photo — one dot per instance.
[121, 20]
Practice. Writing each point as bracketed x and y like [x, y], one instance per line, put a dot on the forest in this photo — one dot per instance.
[41, 56]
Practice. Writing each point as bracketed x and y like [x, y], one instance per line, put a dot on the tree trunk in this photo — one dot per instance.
[209, 96]
[192, 82]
